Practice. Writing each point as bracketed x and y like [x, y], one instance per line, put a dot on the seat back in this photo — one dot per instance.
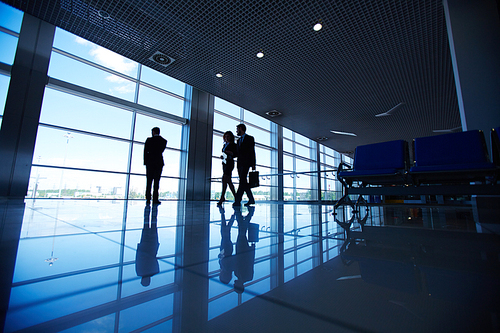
[461, 148]
[383, 155]
[495, 145]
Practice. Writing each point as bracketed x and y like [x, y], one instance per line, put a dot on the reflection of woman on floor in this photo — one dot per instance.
[228, 152]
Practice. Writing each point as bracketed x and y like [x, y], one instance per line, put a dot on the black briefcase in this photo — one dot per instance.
[253, 179]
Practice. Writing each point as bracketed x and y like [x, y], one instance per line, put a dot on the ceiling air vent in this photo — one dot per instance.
[162, 59]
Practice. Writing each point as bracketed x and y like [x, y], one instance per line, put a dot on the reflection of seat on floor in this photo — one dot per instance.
[455, 266]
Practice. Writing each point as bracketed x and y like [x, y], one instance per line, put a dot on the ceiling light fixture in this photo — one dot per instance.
[391, 111]
[343, 133]
[322, 138]
[318, 26]
[448, 130]
[104, 14]
[161, 59]
[273, 113]
[260, 54]
[218, 74]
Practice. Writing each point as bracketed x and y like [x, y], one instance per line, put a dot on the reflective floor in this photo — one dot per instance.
[118, 266]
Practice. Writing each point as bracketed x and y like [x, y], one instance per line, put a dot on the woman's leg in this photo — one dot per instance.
[224, 187]
[231, 185]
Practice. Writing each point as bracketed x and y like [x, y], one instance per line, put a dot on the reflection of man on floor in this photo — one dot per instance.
[146, 264]
[245, 253]
[226, 261]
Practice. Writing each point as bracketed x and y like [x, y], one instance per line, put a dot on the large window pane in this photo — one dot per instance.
[69, 149]
[161, 101]
[87, 50]
[263, 156]
[224, 124]
[169, 188]
[254, 119]
[170, 157]
[67, 110]
[10, 18]
[162, 81]
[287, 146]
[170, 131]
[260, 136]
[302, 151]
[90, 77]
[8, 49]
[301, 139]
[46, 183]
[227, 108]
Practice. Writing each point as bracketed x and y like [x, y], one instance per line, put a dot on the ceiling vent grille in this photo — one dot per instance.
[162, 59]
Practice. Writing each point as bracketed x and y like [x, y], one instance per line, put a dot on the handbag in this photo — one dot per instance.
[253, 179]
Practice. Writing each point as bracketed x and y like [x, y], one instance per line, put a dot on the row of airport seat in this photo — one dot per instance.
[454, 158]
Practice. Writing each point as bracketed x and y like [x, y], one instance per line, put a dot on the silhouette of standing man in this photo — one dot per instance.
[153, 160]
[246, 160]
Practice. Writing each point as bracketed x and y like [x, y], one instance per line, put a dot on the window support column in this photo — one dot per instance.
[23, 105]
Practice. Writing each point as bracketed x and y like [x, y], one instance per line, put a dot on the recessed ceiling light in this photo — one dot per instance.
[343, 133]
[317, 27]
[273, 113]
[104, 14]
[322, 138]
[218, 74]
[260, 54]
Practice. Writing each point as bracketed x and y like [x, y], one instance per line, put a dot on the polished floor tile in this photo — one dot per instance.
[121, 266]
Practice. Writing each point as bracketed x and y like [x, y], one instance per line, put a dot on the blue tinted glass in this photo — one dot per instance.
[90, 77]
[162, 81]
[161, 101]
[87, 50]
[8, 49]
[10, 17]
[4, 86]
[256, 120]
[75, 112]
[226, 107]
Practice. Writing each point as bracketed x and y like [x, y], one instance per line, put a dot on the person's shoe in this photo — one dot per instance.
[236, 204]
[148, 202]
[250, 203]
[219, 203]
[157, 203]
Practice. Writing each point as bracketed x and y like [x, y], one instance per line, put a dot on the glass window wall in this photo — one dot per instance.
[93, 148]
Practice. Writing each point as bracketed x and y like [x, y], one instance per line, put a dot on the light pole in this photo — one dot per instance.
[67, 136]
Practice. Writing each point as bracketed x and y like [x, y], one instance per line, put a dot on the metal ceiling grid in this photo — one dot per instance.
[369, 57]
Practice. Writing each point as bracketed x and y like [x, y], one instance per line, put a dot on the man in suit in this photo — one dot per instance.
[246, 160]
[153, 160]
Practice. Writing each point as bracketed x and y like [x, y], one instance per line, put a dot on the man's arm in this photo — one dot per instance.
[146, 151]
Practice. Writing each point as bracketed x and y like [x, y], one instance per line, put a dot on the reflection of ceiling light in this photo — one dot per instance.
[273, 113]
[260, 54]
[317, 27]
[322, 138]
[343, 133]
[218, 74]
[104, 14]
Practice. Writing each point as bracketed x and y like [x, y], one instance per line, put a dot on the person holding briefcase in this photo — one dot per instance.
[246, 160]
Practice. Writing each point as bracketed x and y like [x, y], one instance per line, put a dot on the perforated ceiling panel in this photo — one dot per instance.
[369, 57]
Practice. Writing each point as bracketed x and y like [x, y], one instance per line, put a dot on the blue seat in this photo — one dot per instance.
[451, 158]
[379, 164]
